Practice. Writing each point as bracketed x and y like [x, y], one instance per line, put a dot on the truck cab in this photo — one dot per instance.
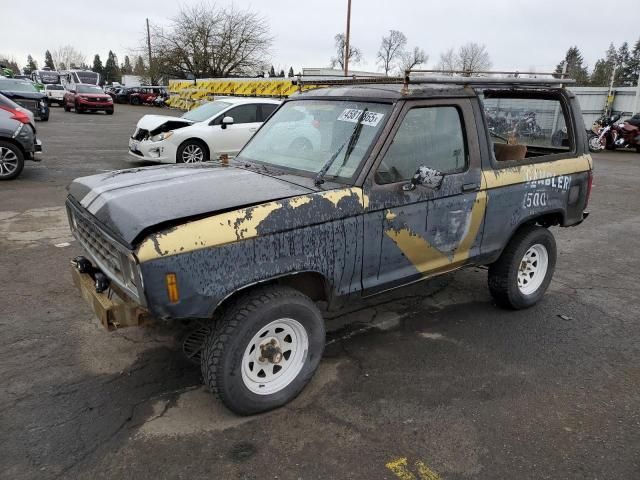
[350, 189]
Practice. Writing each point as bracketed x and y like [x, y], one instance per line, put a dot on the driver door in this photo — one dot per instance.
[412, 232]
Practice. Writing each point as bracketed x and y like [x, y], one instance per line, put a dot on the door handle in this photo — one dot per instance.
[470, 187]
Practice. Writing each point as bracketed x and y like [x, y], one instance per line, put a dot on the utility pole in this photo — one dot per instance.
[151, 79]
[608, 108]
[346, 40]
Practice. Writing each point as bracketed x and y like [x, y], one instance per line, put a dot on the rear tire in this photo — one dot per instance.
[520, 277]
[11, 161]
[237, 363]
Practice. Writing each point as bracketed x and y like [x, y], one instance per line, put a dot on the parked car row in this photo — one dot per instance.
[148, 95]
[18, 140]
[26, 95]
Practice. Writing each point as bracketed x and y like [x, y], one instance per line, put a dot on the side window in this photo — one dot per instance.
[244, 113]
[267, 109]
[523, 129]
[428, 136]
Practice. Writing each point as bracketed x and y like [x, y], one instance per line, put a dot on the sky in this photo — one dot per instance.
[518, 34]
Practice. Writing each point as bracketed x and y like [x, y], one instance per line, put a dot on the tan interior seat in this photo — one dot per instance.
[506, 152]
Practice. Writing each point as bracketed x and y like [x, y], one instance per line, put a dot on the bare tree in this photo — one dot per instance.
[391, 50]
[473, 57]
[469, 58]
[68, 56]
[413, 59]
[355, 55]
[206, 41]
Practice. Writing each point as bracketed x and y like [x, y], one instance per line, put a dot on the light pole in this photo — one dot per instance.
[346, 40]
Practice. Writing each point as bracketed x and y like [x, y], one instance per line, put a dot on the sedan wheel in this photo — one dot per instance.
[192, 152]
[11, 161]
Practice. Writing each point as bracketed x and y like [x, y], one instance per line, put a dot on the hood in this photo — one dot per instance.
[23, 95]
[153, 122]
[128, 202]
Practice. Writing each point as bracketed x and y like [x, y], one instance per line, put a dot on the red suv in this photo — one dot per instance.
[87, 98]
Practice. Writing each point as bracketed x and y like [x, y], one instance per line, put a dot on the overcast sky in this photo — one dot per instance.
[518, 34]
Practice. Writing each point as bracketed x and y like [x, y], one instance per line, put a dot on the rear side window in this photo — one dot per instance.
[431, 137]
[524, 129]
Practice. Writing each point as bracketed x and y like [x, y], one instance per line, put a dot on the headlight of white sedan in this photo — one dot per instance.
[160, 136]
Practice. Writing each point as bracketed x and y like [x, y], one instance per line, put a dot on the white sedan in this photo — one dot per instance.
[220, 127]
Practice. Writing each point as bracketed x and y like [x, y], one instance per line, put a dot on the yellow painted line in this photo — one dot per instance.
[229, 227]
[400, 468]
[502, 177]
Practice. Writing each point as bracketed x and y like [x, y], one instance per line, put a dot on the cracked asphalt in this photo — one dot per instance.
[432, 380]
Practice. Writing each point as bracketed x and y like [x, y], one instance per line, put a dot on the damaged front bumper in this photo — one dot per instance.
[113, 307]
[152, 151]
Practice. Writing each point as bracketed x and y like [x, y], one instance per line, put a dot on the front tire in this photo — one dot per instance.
[264, 349]
[11, 161]
[520, 277]
[192, 151]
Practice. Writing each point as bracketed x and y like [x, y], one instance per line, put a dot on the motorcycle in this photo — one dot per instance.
[599, 133]
[607, 133]
[527, 126]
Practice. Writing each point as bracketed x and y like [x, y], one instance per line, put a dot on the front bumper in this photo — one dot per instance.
[152, 151]
[113, 308]
[95, 105]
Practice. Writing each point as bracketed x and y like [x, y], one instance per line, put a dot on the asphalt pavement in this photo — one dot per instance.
[432, 382]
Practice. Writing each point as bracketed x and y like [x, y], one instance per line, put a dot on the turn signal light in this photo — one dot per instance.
[18, 115]
[172, 287]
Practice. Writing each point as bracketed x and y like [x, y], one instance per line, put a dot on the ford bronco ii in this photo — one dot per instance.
[387, 184]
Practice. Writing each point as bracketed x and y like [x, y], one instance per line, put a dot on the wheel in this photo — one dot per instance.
[638, 148]
[192, 151]
[109, 112]
[78, 109]
[519, 278]
[301, 145]
[11, 161]
[594, 143]
[135, 101]
[66, 107]
[264, 349]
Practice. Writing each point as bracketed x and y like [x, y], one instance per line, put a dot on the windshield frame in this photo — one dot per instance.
[366, 157]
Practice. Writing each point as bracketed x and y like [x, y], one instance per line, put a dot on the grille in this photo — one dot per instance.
[140, 134]
[28, 104]
[99, 246]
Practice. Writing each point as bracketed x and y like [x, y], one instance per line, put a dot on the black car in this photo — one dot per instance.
[25, 94]
[17, 138]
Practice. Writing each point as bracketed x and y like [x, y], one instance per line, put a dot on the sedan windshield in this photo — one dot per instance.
[307, 135]
[17, 85]
[206, 111]
[89, 89]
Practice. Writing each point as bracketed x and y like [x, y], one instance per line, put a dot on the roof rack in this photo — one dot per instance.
[451, 77]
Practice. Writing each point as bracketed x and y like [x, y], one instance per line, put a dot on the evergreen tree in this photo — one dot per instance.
[97, 65]
[601, 76]
[281, 74]
[126, 68]
[272, 72]
[291, 74]
[61, 66]
[575, 68]
[139, 68]
[48, 60]
[634, 64]
[111, 72]
[31, 65]
[624, 74]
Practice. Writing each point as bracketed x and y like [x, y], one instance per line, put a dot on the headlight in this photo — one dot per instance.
[43, 103]
[161, 136]
[108, 99]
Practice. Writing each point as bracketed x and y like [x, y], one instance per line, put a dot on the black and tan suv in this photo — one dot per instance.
[384, 185]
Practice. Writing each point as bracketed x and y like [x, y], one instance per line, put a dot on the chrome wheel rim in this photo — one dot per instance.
[8, 162]
[192, 154]
[595, 144]
[533, 269]
[275, 356]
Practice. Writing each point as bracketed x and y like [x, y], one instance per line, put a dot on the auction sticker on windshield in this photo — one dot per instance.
[371, 119]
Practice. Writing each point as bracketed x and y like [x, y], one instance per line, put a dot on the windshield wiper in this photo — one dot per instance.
[353, 138]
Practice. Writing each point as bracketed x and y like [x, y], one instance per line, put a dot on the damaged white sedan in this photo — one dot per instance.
[220, 127]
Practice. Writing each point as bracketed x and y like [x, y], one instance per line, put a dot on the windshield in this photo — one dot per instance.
[87, 77]
[206, 111]
[49, 77]
[88, 89]
[17, 85]
[303, 135]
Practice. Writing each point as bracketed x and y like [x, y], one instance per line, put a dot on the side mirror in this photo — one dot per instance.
[425, 176]
[227, 121]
